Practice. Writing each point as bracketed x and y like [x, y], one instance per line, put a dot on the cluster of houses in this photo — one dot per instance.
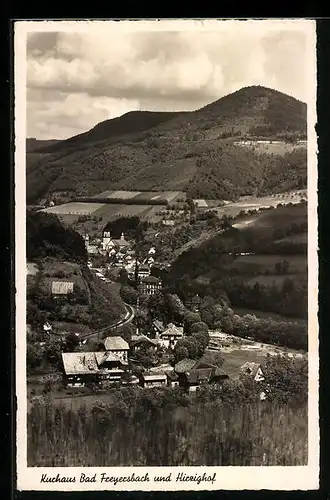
[112, 364]
[120, 253]
[119, 249]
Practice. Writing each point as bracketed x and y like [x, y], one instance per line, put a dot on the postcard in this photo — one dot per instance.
[166, 255]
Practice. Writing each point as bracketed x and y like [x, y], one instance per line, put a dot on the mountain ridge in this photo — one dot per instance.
[194, 151]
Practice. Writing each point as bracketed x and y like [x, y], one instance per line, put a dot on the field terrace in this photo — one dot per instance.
[110, 205]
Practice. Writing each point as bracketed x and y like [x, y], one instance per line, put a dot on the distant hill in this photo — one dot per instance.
[129, 123]
[36, 145]
[193, 151]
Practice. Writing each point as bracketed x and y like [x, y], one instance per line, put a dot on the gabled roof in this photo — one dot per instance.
[250, 368]
[158, 324]
[115, 344]
[79, 363]
[199, 375]
[172, 375]
[153, 376]
[144, 267]
[141, 339]
[152, 280]
[82, 363]
[106, 357]
[172, 330]
[184, 365]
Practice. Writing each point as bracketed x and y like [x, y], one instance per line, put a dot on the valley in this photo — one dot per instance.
[167, 285]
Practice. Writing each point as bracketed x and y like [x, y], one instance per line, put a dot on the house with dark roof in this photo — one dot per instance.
[192, 374]
[143, 271]
[149, 285]
[172, 378]
[252, 370]
[158, 326]
[117, 346]
[81, 368]
[152, 379]
[142, 343]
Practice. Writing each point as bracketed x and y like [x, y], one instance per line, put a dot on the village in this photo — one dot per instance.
[147, 359]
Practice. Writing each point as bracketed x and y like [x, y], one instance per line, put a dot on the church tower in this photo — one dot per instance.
[106, 239]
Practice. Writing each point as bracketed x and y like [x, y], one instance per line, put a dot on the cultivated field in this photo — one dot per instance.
[74, 208]
[255, 203]
[140, 196]
[271, 147]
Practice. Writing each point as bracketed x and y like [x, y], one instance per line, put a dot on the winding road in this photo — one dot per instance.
[130, 313]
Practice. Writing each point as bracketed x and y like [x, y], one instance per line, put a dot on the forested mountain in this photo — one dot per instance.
[199, 151]
[47, 237]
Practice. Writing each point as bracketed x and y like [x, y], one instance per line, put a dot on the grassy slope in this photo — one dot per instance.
[265, 224]
[193, 151]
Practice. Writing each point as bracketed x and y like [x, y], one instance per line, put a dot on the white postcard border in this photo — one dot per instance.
[226, 478]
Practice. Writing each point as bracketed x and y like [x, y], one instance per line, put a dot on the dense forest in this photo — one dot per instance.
[47, 237]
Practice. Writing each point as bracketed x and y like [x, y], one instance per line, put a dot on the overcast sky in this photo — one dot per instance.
[77, 79]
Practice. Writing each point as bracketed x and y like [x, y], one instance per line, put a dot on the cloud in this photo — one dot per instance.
[94, 75]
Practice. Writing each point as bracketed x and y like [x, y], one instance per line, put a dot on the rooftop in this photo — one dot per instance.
[152, 280]
[115, 344]
[81, 363]
[153, 376]
[139, 339]
[250, 368]
[184, 365]
[173, 331]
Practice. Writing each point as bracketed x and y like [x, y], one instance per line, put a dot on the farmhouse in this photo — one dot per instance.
[143, 271]
[62, 287]
[149, 285]
[252, 370]
[117, 346]
[168, 222]
[152, 379]
[170, 336]
[158, 326]
[142, 343]
[192, 374]
[172, 378]
[81, 368]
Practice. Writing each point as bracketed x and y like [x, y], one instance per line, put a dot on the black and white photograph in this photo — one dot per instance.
[166, 255]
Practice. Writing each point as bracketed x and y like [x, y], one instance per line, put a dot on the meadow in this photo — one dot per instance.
[74, 208]
[267, 315]
[261, 264]
[260, 202]
[270, 147]
[146, 433]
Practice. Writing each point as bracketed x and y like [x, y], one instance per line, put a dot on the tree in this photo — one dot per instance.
[180, 352]
[34, 356]
[189, 319]
[200, 326]
[286, 378]
[71, 342]
[129, 294]
[218, 359]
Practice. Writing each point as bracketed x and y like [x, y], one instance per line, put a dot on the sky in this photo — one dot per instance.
[78, 78]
